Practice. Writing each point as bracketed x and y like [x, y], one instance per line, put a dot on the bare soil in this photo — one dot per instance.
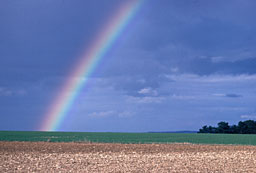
[93, 157]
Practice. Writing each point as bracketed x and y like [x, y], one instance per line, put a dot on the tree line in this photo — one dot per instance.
[243, 127]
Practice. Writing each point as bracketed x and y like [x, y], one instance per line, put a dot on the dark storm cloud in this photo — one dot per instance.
[188, 37]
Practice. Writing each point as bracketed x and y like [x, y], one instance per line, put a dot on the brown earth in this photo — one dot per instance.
[92, 157]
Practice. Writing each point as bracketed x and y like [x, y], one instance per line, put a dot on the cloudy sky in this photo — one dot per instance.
[178, 65]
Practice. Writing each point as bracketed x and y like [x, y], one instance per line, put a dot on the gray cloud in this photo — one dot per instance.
[102, 114]
[12, 92]
[233, 95]
[250, 116]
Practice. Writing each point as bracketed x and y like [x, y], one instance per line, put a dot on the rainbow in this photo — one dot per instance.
[58, 110]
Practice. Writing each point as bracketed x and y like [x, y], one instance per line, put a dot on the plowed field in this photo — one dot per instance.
[93, 157]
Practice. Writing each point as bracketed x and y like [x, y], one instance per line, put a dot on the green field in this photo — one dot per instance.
[129, 137]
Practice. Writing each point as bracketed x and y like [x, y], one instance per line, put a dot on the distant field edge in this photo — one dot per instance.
[127, 138]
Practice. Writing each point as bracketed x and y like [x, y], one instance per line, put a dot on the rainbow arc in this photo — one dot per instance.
[104, 41]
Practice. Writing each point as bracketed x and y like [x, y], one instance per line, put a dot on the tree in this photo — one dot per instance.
[247, 127]
[243, 127]
[204, 129]
[234, 129]
[223, 127]
[251, 125]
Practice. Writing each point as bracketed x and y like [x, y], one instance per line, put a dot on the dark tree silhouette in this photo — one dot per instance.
[223, 127]
[243, 127]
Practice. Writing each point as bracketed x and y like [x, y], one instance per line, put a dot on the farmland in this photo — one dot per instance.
[125, 152]
[127, 138]
[109, 157]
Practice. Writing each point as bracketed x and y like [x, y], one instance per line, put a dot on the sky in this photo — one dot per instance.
[177, 65]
